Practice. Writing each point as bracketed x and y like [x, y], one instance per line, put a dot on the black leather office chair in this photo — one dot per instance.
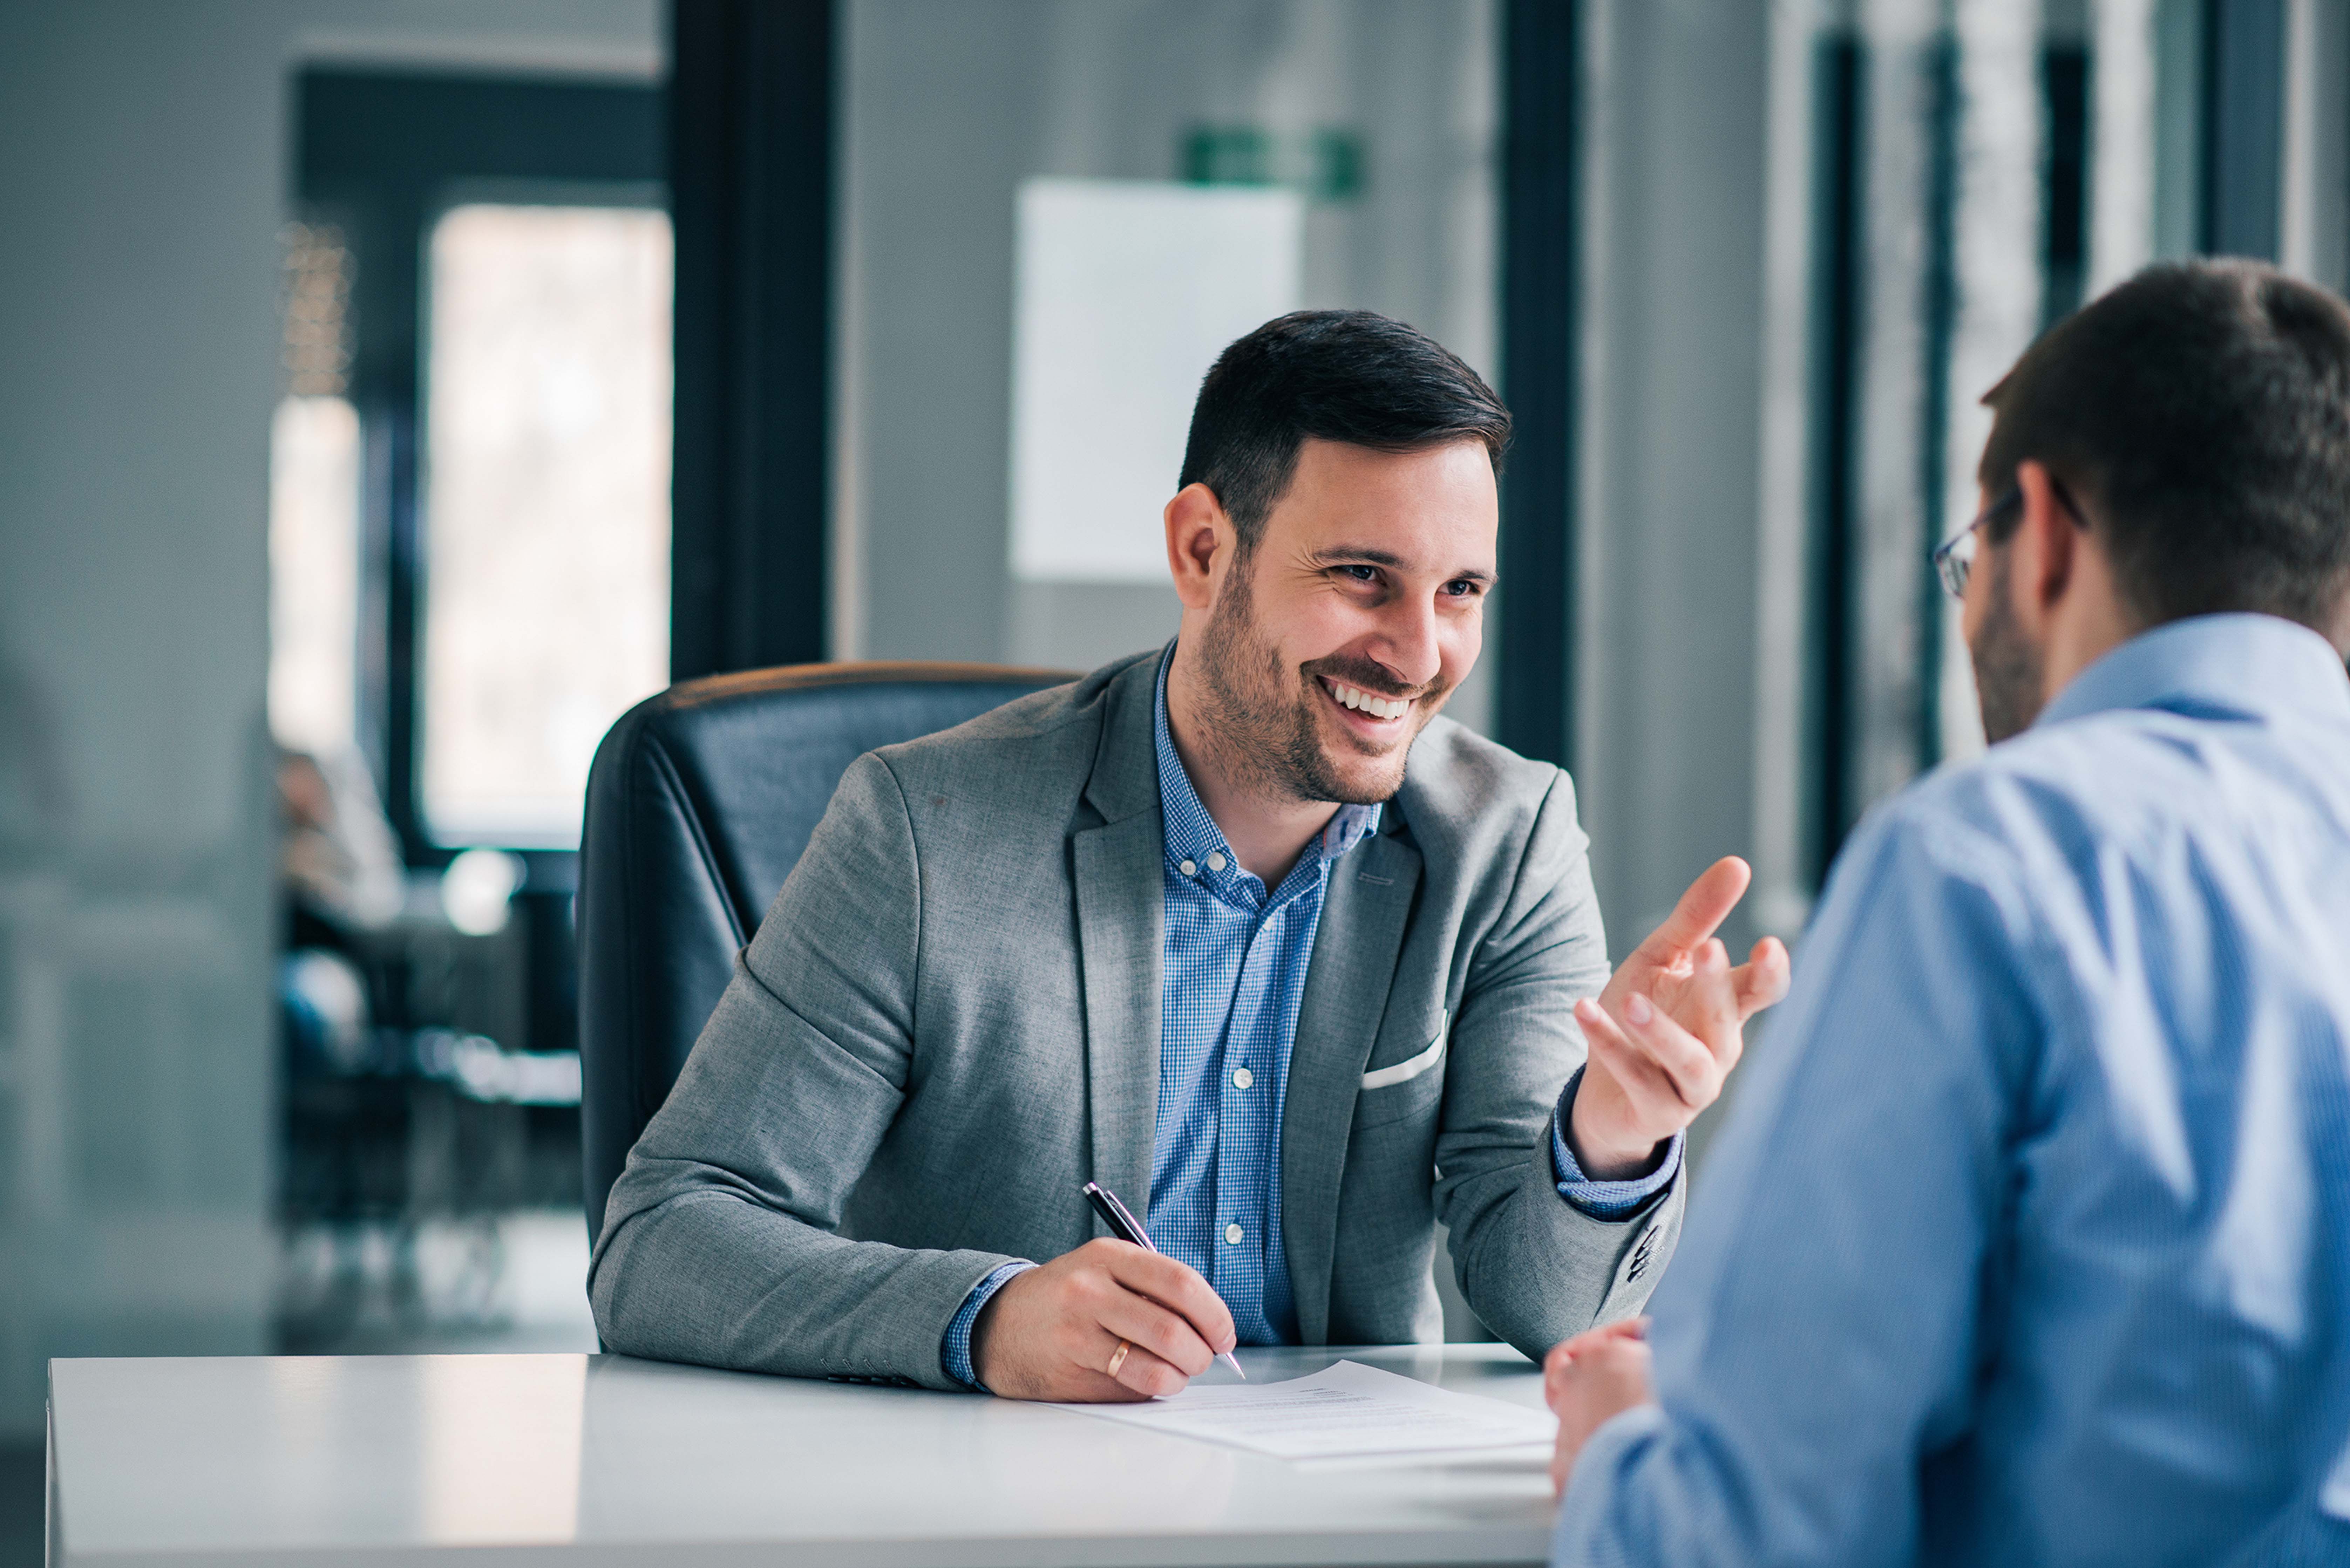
[699, 801]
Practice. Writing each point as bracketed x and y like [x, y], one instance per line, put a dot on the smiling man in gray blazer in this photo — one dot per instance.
[1241, 930]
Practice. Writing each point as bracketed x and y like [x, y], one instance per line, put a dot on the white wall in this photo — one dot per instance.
[144, 180]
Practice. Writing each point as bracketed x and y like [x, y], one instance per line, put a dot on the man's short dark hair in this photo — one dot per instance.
[2202, 413]
[1346, 375]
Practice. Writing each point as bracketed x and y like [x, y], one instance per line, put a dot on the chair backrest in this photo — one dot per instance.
[698, 804]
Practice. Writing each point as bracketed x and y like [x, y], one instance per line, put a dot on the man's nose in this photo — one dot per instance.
[1407, 646]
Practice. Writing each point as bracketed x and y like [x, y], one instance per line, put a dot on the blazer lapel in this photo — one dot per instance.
[1364, 913]
[1121, 918]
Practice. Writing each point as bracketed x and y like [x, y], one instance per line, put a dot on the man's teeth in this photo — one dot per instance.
[1376, 707]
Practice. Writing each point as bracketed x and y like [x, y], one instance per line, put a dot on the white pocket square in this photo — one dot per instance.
[1410, 1068]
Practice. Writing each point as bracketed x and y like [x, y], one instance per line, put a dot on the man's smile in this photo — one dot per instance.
[1365, 711]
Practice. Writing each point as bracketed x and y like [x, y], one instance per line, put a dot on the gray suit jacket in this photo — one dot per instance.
[949, 1023]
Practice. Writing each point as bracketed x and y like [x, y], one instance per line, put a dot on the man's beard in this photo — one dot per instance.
[1261, 727]
[2010, 672]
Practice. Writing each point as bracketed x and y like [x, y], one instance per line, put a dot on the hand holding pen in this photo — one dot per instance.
[1055, 1331]
[1126, 1228]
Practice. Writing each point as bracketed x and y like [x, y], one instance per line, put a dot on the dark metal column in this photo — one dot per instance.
[2243, 128]
[1839, 241]
[750, 124]
[1541, 290]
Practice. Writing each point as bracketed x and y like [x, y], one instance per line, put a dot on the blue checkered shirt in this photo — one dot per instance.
[1233, 973]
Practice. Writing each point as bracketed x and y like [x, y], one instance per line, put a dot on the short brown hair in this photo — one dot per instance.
[1350, 376]
[2202, 410]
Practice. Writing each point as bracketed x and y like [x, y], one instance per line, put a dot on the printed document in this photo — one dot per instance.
[1347, 1409]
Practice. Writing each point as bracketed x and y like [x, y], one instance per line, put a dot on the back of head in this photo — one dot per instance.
[2201, 412]
[1349, 376]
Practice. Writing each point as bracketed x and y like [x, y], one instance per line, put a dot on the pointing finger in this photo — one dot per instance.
[1703, 907]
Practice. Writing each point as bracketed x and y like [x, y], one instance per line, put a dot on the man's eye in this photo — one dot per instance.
[1360, 573]
[1464, 588]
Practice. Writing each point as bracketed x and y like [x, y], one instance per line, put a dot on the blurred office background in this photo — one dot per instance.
[394, 391]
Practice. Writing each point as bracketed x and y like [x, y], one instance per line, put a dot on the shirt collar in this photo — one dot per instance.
[2254, 666]
[1192, 834]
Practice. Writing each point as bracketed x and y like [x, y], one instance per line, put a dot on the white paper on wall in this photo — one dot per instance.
[1125, 291]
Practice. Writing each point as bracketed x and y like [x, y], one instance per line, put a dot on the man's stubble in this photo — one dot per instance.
[1261, 729]
[2010, 672]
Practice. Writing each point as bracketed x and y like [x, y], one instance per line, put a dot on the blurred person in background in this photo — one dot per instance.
[340, 878]
[2051, 1264]
[338, 860]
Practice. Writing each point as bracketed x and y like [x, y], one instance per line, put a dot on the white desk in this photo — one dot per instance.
[299, 1462]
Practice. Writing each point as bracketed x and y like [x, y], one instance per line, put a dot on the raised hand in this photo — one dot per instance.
[1667, 1029]
[1056, 1332]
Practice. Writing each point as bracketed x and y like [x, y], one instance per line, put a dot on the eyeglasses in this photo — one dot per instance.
[1954, 557]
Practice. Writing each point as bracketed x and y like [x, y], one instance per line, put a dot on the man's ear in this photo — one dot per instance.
[2045, 545]
[1200, 540]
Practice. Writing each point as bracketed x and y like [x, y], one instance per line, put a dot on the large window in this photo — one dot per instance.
[546, 532]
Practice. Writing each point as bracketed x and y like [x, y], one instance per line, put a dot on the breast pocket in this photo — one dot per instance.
[1404, 1088]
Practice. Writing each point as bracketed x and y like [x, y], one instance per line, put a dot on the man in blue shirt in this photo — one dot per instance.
[2053, 1261]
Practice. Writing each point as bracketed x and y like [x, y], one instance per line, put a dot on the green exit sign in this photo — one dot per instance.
[1325, 164]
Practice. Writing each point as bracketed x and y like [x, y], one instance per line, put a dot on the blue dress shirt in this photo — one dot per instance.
[2054, 1261]
[1232, 975]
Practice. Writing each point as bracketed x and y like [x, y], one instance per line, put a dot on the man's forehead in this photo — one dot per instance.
[1432, 508]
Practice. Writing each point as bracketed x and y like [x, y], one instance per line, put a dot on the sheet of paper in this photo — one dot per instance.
[1342, 1410]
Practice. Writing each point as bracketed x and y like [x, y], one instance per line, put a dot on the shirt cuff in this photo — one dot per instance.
[1605, 1200]
[954, 1351]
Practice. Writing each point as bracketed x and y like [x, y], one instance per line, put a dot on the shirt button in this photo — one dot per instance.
[1233, 1233]
[1216, 861]
[1242, 1078]
[1191, 868]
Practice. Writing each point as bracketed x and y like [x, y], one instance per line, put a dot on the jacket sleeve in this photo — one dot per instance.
[1532, 1265]
[720, 1244]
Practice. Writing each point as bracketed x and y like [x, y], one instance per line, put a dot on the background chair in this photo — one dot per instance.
[698, 804]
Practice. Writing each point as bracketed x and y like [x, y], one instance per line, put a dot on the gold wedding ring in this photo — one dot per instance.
[1117, 1357]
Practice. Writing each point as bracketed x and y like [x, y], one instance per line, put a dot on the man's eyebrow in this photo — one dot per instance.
[1371, 555]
